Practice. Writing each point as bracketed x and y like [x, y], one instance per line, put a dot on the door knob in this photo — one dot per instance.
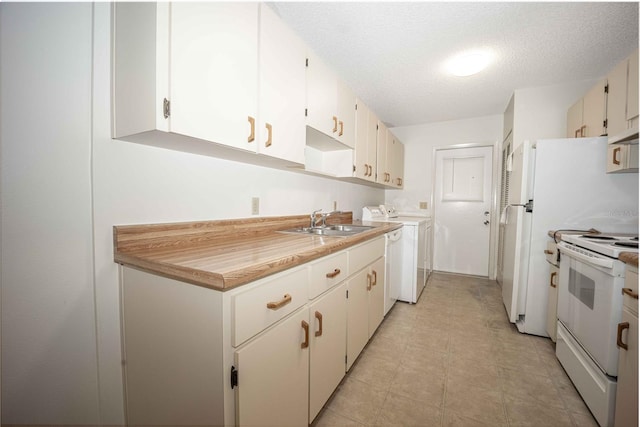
[486, 213]
[486, 222]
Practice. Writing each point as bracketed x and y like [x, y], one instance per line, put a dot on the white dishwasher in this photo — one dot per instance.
[415, 262]
[393, 260]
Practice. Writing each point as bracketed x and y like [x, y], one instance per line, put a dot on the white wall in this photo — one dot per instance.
[49, 363]
[65, 183]
[420, 141]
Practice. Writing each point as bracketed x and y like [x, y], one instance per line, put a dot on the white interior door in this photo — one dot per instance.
[462, 198]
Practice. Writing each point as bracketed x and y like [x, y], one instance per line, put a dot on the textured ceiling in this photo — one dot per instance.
[392, 54]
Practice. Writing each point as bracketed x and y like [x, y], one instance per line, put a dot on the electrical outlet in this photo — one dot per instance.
[423, 205]
[255, 205]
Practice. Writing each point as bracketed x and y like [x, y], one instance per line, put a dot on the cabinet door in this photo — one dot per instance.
[627, 391]
[594, 110]
[552, 303]
[140, 67]
[364, 154]
[617, 99]
[328, 320]
[398, 161]
[574, 119]
[632, 89]
[346, 108]
[360, 154]
[357, 314]
[321, 96]
[214, 69]
[273, 375]
[382, 172]
[281, 131]
[376, 295]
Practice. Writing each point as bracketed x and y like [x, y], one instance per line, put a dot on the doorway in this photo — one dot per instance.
[463, 209]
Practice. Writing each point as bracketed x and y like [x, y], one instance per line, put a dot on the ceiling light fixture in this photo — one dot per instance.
[468, 63]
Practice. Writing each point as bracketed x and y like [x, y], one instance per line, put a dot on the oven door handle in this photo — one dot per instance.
[600, 262]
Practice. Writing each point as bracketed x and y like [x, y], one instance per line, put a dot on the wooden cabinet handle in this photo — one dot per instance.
[333, 274]
[368, 281]
[305, 326]
[621, 327]
[629, 291]
[554, 274]
[274, 305]
[616, 151]
[269, 132]
[335, 124]
[252, 135]
[548, 252]
[375, 278]
[341, 128]
[319, 317]
[583, 128]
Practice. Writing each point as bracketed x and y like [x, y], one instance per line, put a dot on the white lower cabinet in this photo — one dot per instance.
[328, 317]
[627, 390]
[267, 353]
[273, 380]
[552, 303]
[365, 302]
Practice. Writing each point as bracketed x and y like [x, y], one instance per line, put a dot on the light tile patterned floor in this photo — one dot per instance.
[453, 359]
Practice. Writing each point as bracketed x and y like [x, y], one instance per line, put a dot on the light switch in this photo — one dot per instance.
[255, 205]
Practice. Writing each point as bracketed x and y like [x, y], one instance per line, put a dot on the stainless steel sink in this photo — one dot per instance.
[339, 230]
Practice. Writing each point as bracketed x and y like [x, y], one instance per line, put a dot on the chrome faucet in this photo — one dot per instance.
[313, 218]
[323, 218]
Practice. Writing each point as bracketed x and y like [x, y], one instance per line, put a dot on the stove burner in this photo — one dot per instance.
[594, 237]
[626, 244]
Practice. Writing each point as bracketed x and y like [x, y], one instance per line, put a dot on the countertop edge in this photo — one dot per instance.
[237, 277]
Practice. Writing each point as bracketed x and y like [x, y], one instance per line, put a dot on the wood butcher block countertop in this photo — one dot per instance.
[228, 253]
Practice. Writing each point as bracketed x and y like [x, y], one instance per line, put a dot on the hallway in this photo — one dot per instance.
[453, 359]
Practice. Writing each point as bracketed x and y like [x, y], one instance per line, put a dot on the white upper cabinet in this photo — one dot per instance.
[281, 90]
[586, 118]
[226, 73]
[632, 91]
[364, 155]
[330, 103]
[617, 99]
[213, 69]
[398, 163]
[137, 104]
[382, 175]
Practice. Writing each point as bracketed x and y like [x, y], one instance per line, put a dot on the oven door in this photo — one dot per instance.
[590, 302]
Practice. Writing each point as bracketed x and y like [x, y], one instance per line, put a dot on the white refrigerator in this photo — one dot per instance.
[556, 184]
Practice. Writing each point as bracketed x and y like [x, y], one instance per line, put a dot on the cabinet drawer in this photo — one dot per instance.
[361, 256]
[251, 312]
[622, 158]
[327, 272]
[551, 253]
